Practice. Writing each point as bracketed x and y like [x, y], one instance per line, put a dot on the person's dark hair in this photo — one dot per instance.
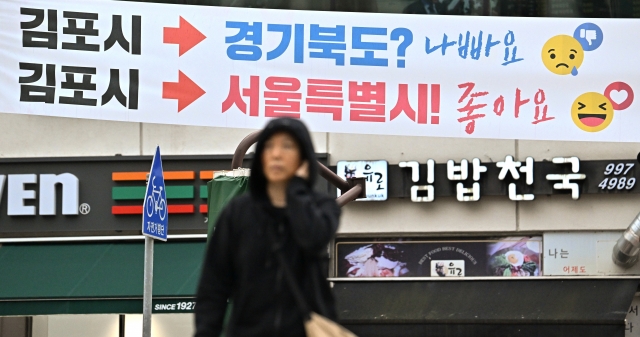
[294, 127]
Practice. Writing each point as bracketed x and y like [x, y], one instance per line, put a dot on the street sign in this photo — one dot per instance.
[155, 217]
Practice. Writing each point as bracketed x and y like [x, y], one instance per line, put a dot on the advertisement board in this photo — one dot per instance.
[368, 73]
[505, 257]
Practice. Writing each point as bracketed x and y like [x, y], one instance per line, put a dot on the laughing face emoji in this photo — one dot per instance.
[592, 112]
[562, 55]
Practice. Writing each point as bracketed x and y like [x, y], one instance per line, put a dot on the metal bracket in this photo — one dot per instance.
[350, 191]
[358, 182]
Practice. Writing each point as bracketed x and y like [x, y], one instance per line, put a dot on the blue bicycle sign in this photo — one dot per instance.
[155, 216]
[155, 202]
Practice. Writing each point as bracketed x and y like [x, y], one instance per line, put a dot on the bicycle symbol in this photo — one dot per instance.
[156, 204]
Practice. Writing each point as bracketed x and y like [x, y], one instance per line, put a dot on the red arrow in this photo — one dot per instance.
[185, 91]
[186, 36]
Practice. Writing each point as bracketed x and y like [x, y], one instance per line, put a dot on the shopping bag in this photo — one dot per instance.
[221, 190]
[320, 326]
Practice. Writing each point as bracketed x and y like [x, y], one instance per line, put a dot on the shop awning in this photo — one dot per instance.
[94, 277]
[543, 307]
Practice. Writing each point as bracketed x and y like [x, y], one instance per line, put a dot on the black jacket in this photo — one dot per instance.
[240, 264]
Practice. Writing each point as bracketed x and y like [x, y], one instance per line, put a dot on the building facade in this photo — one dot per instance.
[594, 218]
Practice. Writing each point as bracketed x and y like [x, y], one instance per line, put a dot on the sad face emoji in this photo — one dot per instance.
[592, 112]
[562, 55]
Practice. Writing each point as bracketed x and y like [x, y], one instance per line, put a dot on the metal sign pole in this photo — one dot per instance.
[148, 287]
[155, 225]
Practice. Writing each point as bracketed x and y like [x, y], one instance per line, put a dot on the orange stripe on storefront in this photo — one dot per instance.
[206, 175]
[142, 176]
[179, 175]
[129, 176]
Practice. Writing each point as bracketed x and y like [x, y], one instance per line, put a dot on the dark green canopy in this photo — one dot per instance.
[94, 277]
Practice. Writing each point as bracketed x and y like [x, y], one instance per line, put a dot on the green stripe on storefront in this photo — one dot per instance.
[88, 306]
[204, 192]
[138, 192]
[87, 278]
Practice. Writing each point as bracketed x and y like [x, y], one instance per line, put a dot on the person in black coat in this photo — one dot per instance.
[240, 264]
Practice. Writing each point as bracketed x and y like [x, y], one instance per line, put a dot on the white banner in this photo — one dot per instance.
[446, 76]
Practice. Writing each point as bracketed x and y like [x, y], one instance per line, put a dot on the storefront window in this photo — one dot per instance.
[528, 8]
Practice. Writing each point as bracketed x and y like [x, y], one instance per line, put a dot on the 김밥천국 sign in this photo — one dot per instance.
[520, 180]
[446, 76]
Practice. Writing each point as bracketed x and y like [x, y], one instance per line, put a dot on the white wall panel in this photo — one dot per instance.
[40, 326]
[162, 325]
[591, 212]
[442, 215]
[584, 150]
[37, 136]
[171, 325]
[399, 148]
[83, 325]
[183, 140]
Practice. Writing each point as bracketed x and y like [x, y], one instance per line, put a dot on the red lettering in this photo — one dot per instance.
[281, 97]
[361, 97]
[498, 105]
[470, 108]
[519, 102]
[325, 96]
[541, 112]
[235, 98]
